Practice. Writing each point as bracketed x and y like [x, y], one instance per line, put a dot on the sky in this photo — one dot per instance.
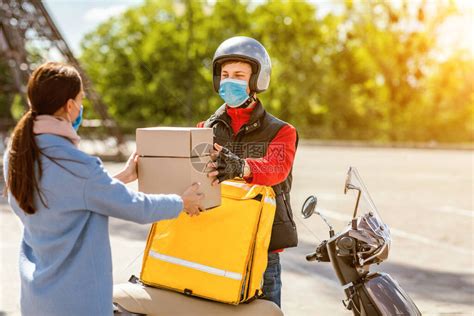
[75, 18]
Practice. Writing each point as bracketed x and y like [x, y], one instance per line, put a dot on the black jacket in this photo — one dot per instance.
[252, 141]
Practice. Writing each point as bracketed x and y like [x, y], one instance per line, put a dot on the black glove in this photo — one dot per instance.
[229, 165]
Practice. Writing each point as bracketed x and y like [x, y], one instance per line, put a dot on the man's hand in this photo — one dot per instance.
[227, 164]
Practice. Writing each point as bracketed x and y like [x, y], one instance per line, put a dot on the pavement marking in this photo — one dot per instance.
[429, 241]
[403, 234]
[454, 210]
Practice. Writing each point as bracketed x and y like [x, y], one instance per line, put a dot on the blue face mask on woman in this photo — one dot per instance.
[77, 122]
[233, 92]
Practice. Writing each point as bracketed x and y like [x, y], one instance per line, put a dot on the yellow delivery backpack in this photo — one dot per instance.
[219, 255]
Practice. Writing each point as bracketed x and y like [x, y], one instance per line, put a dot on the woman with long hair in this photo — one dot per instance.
[64, 198]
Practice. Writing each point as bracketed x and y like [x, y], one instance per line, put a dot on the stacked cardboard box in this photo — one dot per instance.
[172, 158]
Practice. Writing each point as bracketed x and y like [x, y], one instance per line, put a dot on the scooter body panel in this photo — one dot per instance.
[343, 266]
[380, 294]
[145, 300]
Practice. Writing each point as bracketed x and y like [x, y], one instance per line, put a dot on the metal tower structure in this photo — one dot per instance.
[23, 22]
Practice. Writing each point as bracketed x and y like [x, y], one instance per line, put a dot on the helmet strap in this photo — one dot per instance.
[249, 101]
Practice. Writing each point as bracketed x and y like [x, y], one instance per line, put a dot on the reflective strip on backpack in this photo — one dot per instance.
[196, 266]
[270, 200]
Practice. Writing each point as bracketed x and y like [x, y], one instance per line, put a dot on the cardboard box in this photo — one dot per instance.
[171, 159]
[174, 141]
[174, 175]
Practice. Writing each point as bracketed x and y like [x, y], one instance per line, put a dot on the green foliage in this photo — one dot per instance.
[368, 73]
[13, 104]
[5, 95]
[17, 107]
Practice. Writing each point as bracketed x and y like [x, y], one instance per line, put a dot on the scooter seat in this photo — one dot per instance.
[140, 299]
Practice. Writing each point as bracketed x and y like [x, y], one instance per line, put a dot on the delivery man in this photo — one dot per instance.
[253, 144]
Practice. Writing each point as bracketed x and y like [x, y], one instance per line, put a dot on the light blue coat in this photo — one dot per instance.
[65, 258]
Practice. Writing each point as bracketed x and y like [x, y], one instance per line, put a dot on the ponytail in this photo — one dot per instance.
[24, 155]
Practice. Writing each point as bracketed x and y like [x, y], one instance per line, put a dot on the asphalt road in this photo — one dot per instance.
[425, 196]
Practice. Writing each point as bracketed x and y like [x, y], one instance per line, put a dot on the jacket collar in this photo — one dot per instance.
[52, 140]
[254, 122]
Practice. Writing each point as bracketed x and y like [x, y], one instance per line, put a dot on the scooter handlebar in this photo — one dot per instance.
[312, 256]
[321, 253]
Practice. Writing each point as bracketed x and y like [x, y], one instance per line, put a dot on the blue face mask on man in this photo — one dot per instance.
[233, 92]
[77, 122]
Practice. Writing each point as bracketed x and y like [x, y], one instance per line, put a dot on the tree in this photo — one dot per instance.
[299, 46]
[6, 87]
[362, 74]
[397, 43]
[153, 64]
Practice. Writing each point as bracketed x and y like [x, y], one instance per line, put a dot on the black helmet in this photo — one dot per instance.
[249, 50]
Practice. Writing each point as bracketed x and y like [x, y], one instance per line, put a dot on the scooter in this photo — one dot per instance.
[363, 242]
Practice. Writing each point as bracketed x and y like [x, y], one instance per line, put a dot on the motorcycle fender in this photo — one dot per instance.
[387, 295]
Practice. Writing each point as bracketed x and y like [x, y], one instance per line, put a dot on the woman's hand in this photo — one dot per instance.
[192, 200]
[129, 172]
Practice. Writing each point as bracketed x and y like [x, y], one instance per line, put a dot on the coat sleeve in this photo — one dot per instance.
[275, 166]
[108, 196]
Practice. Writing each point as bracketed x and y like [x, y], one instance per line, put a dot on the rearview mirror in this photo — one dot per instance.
[309, 206]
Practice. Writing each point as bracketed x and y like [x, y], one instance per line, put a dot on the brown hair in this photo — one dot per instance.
[49, 88]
